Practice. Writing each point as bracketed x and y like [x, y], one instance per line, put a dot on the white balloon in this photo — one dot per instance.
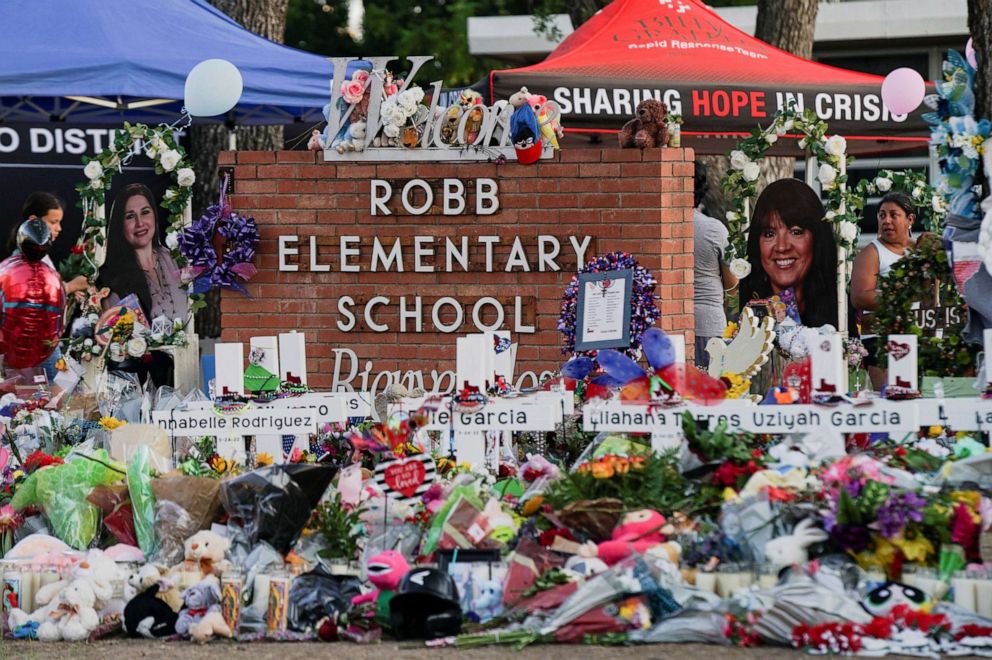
[212, 88]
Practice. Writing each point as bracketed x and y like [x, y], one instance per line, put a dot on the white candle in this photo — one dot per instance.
[964, 592]
[983, 597]
[706, 581]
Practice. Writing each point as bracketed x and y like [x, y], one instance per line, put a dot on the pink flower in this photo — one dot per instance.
[353, 91]
[9, 518]
[391, 89]
[360, 75]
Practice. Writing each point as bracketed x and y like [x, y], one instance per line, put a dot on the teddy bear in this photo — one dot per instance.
[648, 128]
[641, 531]
[149, 575]
[95, 567]
[147, 615]
[207, 549]
[354, 138]
[201, 616]
[74, 617]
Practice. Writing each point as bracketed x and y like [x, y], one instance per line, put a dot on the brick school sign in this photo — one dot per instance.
[383, 265]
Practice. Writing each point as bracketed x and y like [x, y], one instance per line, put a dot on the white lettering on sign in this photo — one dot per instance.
[417, 196]
[891, 416]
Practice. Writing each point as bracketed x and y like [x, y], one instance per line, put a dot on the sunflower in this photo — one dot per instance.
[111, 423]
[263, 460]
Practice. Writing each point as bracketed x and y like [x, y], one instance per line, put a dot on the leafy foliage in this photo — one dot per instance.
[341, 528]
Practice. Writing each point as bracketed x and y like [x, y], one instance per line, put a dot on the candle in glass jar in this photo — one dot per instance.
[706, 581]
[983, 597]
[964, 591]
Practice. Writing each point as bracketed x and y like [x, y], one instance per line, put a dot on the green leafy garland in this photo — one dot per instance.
[911, 280]
[159, 144]
[915, 185]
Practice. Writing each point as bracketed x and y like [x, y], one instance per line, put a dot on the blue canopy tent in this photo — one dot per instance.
[105, 61]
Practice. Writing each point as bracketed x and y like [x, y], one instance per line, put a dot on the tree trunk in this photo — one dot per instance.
[266, 18]
[788, 25]
[980, 26]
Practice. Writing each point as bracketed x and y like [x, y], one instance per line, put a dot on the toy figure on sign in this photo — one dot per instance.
[33, 300]
[648, 128]
[525, 133]
[385, 571]
[638, 531]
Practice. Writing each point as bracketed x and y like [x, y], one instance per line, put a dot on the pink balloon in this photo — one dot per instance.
[969, 54]
[903, 91]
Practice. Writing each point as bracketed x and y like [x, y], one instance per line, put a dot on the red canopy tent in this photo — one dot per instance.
[723, 82]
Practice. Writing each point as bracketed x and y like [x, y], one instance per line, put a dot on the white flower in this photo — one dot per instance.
[157, 337]
[771, 138]
[802, 143]
[96, 184]
[740, 268]
[733, 216]
[88, 342]
[169, 160]
[95, 350]
[738, 159]
[831, 215]
[917, 193]
[391, 130]
[93, 170]
[848, 231]
[137, 346]
[884, 184]
[836, 145]
[185, 177]
[180, 338]
[171, 193]
[787, 126]
[827, 175]
[92, 319]
[116, 352]
[177, 322]
[752, 171]
[939, 204]
[151, 152]
[172, 240]
[408, 101]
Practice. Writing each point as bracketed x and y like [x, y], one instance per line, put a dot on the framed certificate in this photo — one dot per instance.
[603, 310]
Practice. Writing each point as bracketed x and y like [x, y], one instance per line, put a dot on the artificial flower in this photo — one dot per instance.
[738, 159]
[917, 548]
[96, 184]
[218, 464]
[827, 175]
[136, 347]
[733, 216]
[10, 519]
[752, 171]
[263, 459]
[111, 423]
[848, 231]
[169, 160]
[883, 184]
[171, 194]
[360, 76]
[835, 145]
[185, 177]
[741, 268]
[172, 240]
[93, 170]
[771, 138]
[353, 91]
[730, 331]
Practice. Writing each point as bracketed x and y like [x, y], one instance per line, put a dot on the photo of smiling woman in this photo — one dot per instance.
[138, 263]
[793, 253]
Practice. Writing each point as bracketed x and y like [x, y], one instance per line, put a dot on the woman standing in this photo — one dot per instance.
[896, 215]
[48, 208]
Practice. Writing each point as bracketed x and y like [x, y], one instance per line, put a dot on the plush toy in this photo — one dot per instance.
[488, 603]
[792, 549]
[154, 575]
[525, 133]
[583, 567]
[880, 600]
[648, 128]
[385, 571]
[147, 616]
[638, 531]
[548, 118]
[96, 568]
[354, 138]
[74, 617]
[207, 549]
[201, 616]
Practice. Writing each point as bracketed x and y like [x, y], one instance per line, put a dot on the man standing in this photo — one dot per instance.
[711, 272]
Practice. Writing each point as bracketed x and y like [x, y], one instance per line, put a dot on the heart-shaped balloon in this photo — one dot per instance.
[578, 367]
[658, 348]
[619, 366]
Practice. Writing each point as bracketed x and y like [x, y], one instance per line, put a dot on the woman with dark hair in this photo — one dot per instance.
[792, 251]
[896, 215]
[50, 209]
[137, 262]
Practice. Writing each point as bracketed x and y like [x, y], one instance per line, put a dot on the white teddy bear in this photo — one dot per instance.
[355, 138]
[74, 617]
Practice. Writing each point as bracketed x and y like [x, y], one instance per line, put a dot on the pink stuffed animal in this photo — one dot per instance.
[385, 570]
[638, 531]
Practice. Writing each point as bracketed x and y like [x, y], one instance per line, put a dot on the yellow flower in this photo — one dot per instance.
[970, 497]
[533, 505]
[730, 330]
[935, 431]
[263, 459]
[61, 364]
[218, 464]
[111, 423]
[915, 549]
[602, 470]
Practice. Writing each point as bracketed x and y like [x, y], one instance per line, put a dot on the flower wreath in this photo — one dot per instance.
[843, 204]
[912, 280]
[160, 145]
[196, 244]
[643, 309]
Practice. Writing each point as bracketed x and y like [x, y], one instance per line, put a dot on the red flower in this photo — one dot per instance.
[77, 249]
[547, 539]
[38, 460]
[880, 627]
[728, 474]
[965, 531]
